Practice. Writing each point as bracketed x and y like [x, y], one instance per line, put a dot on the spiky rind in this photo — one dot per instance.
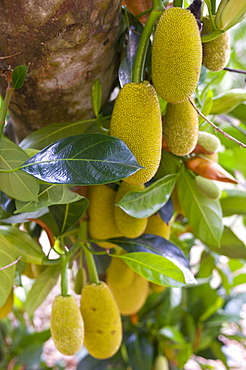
[216, 53]
[129, 226]
[66, 325]
[103, 328]
[136, 120]
[180, 128]
[208, 141]
[176, 55]
[156, 226]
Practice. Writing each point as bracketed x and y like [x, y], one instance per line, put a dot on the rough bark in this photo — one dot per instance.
[67, 44]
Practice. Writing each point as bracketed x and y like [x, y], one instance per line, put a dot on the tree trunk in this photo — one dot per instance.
[67, 44]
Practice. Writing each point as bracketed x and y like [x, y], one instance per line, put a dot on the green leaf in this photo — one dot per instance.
[43, 284]
[231, 246]
[96, 97]
[173, 334]
[7, 256]
[49, 195]
[170, 163]
[19, 76]
[22, 244]
[204, 214]
[141, 204]
[155, 268]
[88, 159]
[67, 215]
[19, 184]
[56, 131]
[234, 202]
[213, 308]
[239, 279]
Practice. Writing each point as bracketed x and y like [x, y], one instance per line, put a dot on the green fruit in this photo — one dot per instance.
[227, 101]
[180, 128]
[129, 226]
[101, 221]
[156, 226]
[207, 187]
[80, 280]
[119, 273]
[160, 363]
[136, 120]
[216, 53]
[176, 55]
[131, 298]
[208, 141]
[66, 325]
[103, 328]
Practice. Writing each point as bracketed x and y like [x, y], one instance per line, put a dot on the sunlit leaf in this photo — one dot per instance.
[7, 256]
[231, 245]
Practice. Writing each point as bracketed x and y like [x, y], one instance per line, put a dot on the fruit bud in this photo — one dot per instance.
[208, 141]
[161, 363]
[227, 101]
[229, 13]
[207, 188]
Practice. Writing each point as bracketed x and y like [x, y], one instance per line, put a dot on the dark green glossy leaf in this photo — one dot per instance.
[231, 245]
[140, 351]
[170, 163]
[141, 204]
[49, 195]
[18, 184]
[204, 214]
[234, 202]
[88, 159]
[68, 214]
[19, 76]
[23, 244]
[56, 131]
[7, 256]
[162, 247]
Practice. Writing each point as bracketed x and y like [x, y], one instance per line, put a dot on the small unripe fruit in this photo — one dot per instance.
[156, 226]
[176, 55]
[103, 328]
[207, 187]
[208, 141]
[180, 128]
[129, 226]
[136, 120]
[101, 222]
[160, 363]
[7, 307]
[216, 53]
[66, 325]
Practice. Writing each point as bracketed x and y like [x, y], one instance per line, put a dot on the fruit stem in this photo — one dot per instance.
[138, 67]
[178, 3]
[64, 281]
[3, 112]
[92, 270]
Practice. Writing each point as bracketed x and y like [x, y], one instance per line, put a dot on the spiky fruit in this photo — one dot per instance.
[103, 328]
[119, 273]
[156, 226]
[180, 128]
[131, 298]
[129, 226]
[66, 325]
[208, 141]
[136, 120]
[176, 55]
[7, 307]
[207, 187]
[160, 363]
[101, 221]
[216, 53]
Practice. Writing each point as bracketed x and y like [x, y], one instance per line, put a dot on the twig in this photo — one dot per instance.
[216, 127]
[235, 70]
[10, 56]
[11, 264]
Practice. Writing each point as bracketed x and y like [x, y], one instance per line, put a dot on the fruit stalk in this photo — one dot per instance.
[64, 281]
[138, 68]
[93, 275]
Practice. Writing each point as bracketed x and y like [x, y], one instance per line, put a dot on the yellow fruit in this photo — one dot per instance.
[101, 221]
[156, 226]
[129, 226]
[216, 53]
[131, 298]
[136, 120]
[176, 55]
[7, 307]
[208, 141]
[66, 325]
[119, 273]
[160, 363]
[180, 128]
[103, 328]
[207, 187]
[29, 271]
[157, 288]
